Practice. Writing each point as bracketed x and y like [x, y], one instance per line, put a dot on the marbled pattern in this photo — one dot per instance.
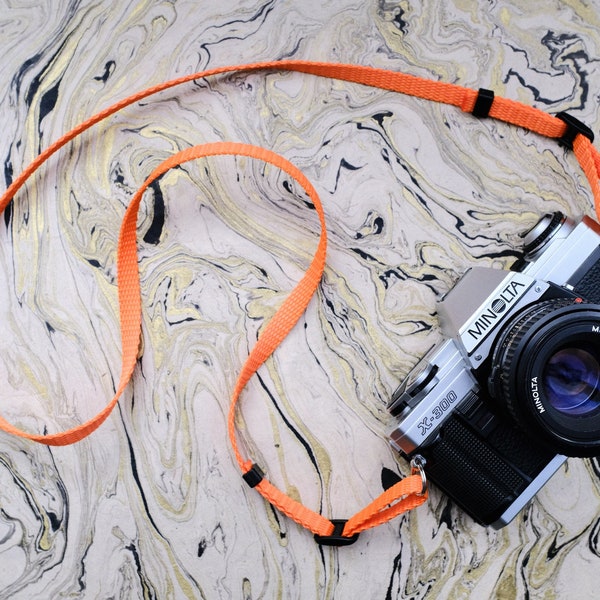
[152, 505]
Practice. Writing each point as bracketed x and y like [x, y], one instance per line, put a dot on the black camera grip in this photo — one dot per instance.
[483, 476]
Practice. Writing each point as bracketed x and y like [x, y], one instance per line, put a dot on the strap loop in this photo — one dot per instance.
[483, 104]
[337, 538]
[574, 128]
[254, 476]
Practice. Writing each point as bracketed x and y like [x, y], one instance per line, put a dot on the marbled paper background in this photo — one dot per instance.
[152, 504]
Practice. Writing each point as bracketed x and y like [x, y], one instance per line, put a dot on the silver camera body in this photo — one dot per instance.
[514, 388]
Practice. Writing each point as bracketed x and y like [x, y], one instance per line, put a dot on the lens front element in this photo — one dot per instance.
[571, 379]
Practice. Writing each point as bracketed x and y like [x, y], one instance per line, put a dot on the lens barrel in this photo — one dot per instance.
[546, 371]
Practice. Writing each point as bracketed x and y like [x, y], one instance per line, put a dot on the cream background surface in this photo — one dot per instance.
[152, 504]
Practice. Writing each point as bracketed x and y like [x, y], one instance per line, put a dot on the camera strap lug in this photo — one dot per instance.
[417, 465]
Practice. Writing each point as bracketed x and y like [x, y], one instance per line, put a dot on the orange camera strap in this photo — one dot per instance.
[406, 493]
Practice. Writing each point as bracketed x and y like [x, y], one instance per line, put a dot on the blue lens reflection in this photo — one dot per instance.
[571, 379]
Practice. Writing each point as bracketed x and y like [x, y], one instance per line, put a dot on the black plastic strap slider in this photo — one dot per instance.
[253, 476]
[574, 127]
[483, 104]
[336, 538]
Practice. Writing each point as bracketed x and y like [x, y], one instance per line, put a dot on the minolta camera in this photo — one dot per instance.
[514, 388]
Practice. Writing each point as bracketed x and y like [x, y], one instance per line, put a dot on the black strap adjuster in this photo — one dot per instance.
[483, 103]
[574, 128]
[336, 538]
[253, 476]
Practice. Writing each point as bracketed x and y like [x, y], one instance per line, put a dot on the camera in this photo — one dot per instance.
[513, 388]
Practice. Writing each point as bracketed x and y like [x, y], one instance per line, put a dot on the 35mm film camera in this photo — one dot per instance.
[514, 388]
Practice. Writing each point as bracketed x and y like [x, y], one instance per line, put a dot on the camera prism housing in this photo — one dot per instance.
[514, 387]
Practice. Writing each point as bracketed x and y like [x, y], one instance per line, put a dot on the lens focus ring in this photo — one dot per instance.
[509, 345]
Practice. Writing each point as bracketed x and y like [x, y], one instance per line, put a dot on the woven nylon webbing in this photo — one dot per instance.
[405, 494]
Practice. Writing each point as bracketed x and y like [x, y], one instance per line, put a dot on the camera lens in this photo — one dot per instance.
[546, 371]
[571, 380]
